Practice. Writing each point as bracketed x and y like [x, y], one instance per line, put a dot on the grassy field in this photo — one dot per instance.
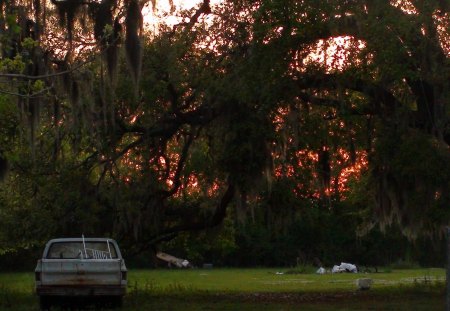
[252, 289]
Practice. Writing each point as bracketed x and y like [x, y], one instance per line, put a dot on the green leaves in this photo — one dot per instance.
[29, 44]
[411, 172]
[14, 65]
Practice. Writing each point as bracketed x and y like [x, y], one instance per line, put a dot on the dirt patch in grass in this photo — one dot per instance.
[400, 294]
[398, 300]
[266, 297]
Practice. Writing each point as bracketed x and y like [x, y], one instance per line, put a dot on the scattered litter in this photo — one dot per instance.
[279, 273]
[321, 270]
[185, 263]
[345, 267]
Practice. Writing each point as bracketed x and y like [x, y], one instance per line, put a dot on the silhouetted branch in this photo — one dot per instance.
[180, 166]
[193, 225]
[204, 9]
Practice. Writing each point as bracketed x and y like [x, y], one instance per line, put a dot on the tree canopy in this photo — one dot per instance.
[246, 107]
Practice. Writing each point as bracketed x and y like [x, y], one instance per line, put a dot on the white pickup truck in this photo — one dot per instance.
[79, 270]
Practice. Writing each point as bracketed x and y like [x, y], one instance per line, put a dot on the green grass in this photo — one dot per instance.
[252, 289]
[270, 280]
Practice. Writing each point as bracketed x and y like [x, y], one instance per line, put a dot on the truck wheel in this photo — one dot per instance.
[45, 303]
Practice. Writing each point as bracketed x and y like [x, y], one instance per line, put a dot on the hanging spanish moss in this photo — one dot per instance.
[67, 11]
[417, 204]
[64, 81]
[102, 15]
[37, 13]
[113, 50]
[324, 168]
[133, 46]
[108, 38]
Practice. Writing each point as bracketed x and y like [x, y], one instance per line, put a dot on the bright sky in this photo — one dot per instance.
[163, 9]
[334, 53]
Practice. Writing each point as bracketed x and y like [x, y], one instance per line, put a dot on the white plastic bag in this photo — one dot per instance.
[321, 270]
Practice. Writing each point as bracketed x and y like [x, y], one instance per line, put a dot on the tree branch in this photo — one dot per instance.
[180, 166]
[204, 9]
[378, 93]
[33, 95]
[333, 103]
[215, 220]
[50, 75]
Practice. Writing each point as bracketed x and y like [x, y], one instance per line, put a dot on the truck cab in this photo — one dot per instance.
[74, 270]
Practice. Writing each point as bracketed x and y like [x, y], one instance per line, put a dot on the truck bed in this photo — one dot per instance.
[92, 273]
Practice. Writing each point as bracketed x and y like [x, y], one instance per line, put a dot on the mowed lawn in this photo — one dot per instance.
[253, 289]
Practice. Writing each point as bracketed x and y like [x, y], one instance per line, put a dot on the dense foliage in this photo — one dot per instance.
[290, 130]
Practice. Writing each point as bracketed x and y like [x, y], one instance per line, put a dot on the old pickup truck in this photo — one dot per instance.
[79, 270]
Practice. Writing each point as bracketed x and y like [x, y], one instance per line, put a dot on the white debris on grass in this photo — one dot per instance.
[321, 270]
[344, 267]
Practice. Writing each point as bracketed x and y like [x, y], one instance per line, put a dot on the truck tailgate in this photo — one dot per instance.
[81, 272]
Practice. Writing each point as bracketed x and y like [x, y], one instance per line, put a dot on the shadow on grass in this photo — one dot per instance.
[17, 299]
[422, 295]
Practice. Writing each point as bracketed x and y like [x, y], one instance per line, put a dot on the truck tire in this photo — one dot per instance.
[45, 303]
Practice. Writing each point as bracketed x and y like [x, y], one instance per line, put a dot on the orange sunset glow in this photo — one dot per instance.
[334, 54]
